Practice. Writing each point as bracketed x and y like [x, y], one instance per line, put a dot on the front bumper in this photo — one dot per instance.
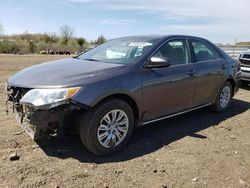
[41, 123]
[245, 73]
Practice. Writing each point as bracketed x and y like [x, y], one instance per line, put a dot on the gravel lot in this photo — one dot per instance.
[198, 149]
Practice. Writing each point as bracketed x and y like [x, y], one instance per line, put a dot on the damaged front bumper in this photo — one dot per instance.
[40, 123]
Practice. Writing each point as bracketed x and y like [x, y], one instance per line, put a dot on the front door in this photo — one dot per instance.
[170, 89]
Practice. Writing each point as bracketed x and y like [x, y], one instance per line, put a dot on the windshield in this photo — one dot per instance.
[121, 50]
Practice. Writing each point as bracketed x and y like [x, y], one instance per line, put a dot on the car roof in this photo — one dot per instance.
[157, 36]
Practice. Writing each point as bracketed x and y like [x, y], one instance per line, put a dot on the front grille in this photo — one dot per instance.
[16, 93]
[247, 56]
[245, 71]
[244, 61]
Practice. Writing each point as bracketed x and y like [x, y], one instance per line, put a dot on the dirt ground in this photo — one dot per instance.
[198, 149]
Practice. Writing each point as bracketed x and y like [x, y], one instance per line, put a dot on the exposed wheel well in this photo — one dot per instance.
[127, 99]
[232, 82]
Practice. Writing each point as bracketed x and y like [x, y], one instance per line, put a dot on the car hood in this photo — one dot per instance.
[62, 73]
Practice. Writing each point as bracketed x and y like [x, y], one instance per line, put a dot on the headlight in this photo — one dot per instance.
[39, 97]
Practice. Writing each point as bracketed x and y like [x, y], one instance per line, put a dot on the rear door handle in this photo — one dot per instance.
[223, 67]
[191, 72]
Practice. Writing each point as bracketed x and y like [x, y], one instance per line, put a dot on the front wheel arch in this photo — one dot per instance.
[126, 98]
[90, 123]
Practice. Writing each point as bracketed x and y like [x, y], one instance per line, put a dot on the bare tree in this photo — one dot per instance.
[66, 33]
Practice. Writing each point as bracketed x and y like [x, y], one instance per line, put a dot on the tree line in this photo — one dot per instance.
[26, 42]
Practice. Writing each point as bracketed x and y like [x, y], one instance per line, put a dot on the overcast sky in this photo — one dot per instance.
[218, 20]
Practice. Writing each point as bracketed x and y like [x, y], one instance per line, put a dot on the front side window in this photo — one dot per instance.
[175, 51]
[121, 50]
[204, 51]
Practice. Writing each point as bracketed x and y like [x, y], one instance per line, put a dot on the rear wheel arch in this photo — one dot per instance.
[223, 95]
[233, 84]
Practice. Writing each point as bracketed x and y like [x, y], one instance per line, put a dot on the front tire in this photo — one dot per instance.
[107, 128]
[223, 98]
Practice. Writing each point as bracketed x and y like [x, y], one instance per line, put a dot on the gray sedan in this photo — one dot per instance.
[108, 91]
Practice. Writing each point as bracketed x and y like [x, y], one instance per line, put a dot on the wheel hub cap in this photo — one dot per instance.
[225, 97]
[113, 128]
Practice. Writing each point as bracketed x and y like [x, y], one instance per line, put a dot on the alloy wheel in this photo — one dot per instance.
[225, 96]
[113, 128]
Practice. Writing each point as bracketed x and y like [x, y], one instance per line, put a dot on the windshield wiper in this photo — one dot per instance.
[91, 59]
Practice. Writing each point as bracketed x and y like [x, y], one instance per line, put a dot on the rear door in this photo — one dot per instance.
[210, 71]
[170, 89]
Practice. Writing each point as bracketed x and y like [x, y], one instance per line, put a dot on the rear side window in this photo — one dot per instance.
[176, 51]
[204, 51]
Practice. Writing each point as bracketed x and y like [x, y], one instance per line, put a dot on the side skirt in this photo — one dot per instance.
[176, 114]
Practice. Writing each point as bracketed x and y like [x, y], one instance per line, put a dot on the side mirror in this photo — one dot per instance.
[157, 62]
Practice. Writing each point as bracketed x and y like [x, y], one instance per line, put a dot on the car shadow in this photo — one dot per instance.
[149, 138]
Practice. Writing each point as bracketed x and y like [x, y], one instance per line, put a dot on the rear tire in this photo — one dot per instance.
[107, 128]
[223, 98]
